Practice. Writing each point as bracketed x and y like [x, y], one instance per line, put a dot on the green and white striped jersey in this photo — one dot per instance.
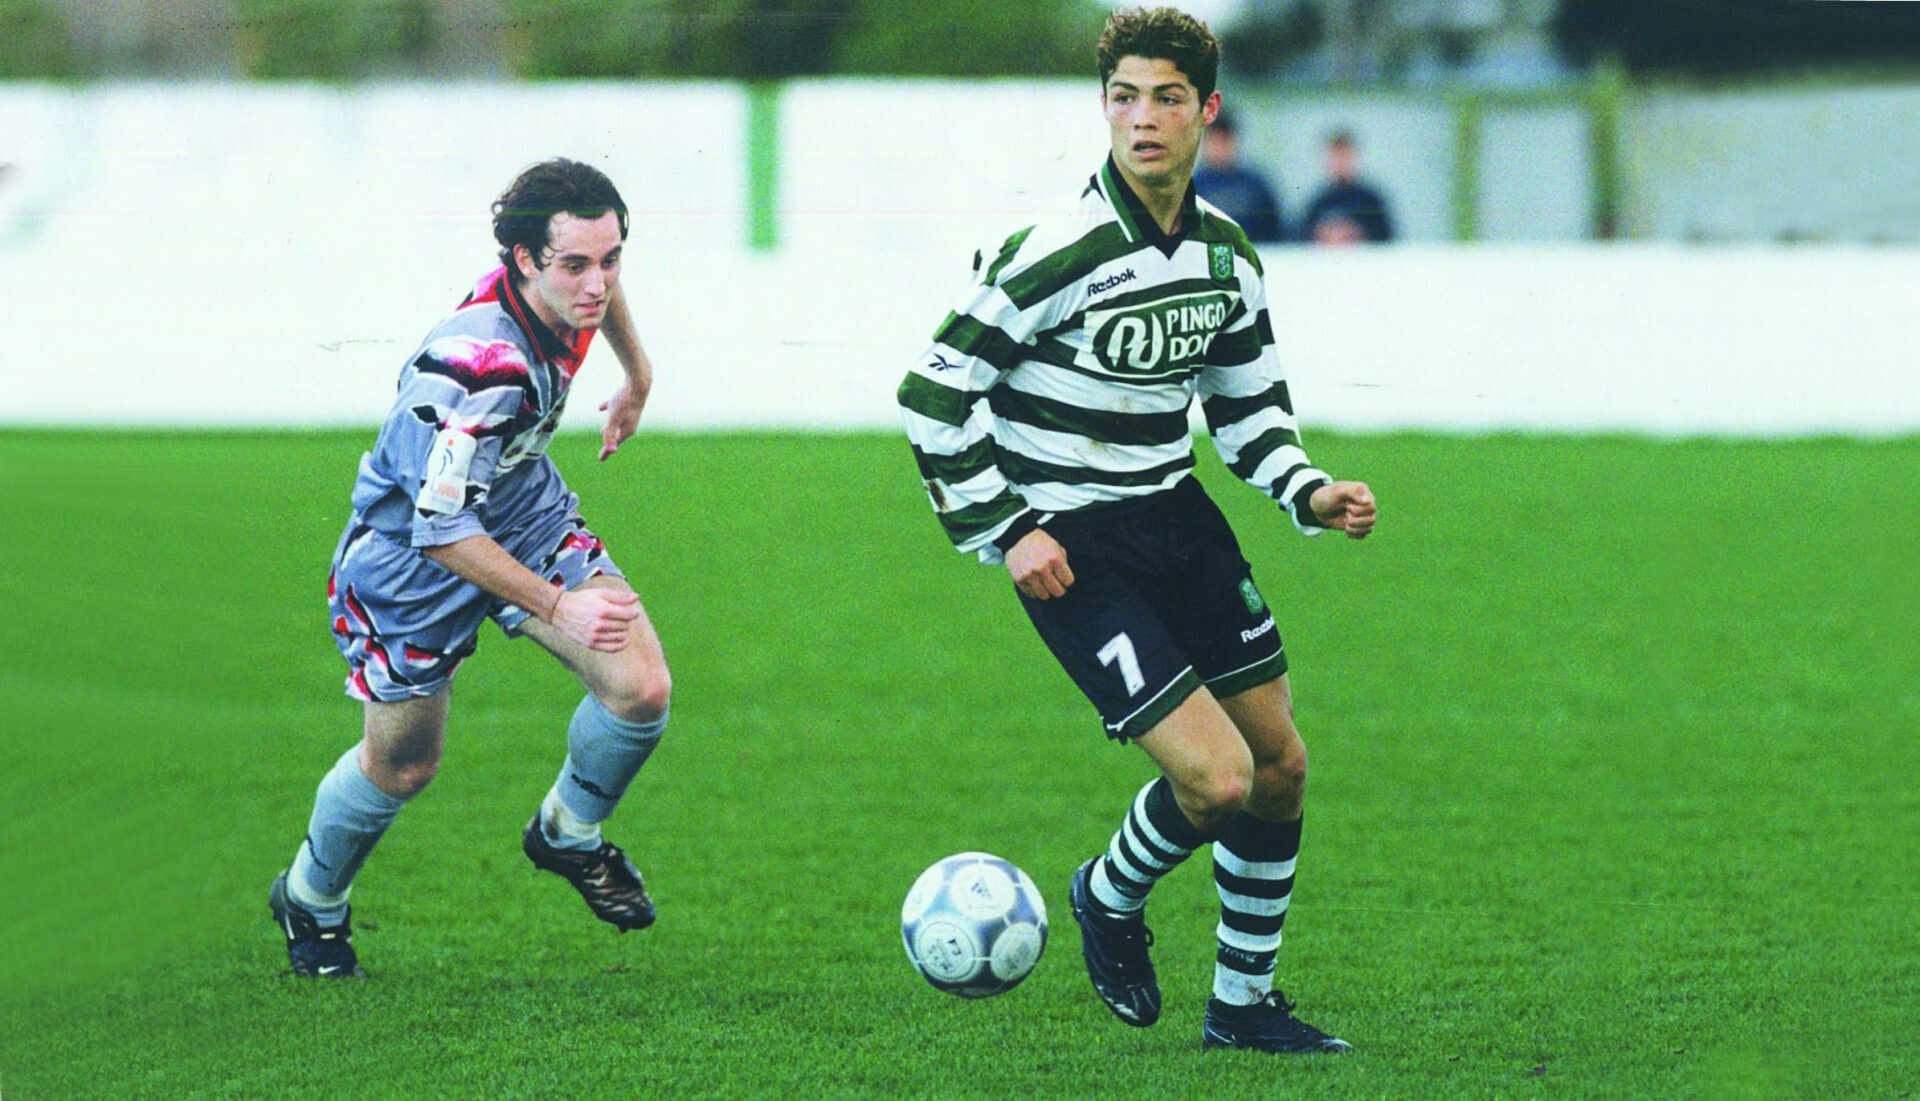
[1063, 379]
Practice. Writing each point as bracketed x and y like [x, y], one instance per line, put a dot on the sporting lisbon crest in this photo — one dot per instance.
[1252, 596]
[1220, 260]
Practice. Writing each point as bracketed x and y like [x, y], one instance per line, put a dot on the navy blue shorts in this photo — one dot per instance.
[1162, 603]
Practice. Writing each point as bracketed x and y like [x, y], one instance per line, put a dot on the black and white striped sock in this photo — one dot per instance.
[1253, 863]
[1152, 841]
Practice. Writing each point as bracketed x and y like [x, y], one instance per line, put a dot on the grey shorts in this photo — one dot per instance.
[404, 623]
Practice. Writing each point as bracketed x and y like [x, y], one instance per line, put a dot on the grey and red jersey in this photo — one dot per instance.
[464, 450]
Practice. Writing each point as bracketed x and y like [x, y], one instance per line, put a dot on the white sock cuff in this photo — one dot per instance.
[571, 826]
[300, 887]
[1238, 987]
[1107, 895]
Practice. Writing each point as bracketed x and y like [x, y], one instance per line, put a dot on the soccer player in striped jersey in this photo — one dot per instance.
[1049, 421]
[458, 517]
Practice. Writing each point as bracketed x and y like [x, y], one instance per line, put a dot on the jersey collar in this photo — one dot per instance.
[550, 346]
[1135, 222]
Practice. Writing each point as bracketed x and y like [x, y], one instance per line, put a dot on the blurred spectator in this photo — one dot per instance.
[1234, 187]
[1347, 211]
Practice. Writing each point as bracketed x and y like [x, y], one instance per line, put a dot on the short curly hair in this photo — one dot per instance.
[1162, 33]
[524, 211]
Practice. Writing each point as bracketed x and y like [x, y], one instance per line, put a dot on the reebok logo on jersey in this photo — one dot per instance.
[1252, 633]
[1101, 286]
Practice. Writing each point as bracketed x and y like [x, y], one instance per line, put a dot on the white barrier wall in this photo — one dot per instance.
[1640, 338]
[1810, 164]
[213, 255]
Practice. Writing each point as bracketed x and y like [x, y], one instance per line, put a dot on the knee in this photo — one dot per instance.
[1280, 783]
[412, 779]
[1285, 774]
[640, 697]
[1217, 794]
[401, 777]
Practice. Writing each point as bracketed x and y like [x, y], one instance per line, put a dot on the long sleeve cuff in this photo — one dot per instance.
[1017, 529]
[1302, 505]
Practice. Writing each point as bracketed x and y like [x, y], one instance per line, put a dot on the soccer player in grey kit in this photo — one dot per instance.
[459, 516]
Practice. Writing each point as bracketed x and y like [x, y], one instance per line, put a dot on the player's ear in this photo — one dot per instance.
[1210, 109]
[523, 260]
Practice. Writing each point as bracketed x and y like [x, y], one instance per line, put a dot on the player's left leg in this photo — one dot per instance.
[1254, 856]
[611, 735]
[1255, 851]
[1219, 616]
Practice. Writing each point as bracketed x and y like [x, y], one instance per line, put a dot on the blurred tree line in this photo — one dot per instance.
[36, 44]
[721, 39]
[1396, 40]
[770, 39]
[763, 39]
[1725, 37]
[294, 39]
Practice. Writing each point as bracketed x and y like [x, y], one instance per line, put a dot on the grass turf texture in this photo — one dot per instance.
[1613, 785]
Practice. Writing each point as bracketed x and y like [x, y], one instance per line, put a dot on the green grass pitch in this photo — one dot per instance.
[1615, 754]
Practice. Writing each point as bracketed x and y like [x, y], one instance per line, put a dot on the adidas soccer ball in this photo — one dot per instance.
[974, 925]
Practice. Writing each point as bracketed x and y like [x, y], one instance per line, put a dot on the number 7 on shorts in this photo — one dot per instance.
[1120, 647]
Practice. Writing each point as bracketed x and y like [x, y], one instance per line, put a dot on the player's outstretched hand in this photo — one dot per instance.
[1345, 506]
[1038, 564]
[597, 618]
[623, 417]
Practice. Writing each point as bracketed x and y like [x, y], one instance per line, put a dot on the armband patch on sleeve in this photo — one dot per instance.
[448, 465]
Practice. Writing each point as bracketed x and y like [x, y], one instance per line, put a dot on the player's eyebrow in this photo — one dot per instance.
[1123, 86]
[566, 256]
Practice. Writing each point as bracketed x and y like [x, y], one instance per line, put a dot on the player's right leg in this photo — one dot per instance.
[1206, 771]
[404, 626]
[1115, 645]
[397, 757]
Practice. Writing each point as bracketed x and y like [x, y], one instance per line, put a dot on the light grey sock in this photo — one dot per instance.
[604, 752]
[349, 815]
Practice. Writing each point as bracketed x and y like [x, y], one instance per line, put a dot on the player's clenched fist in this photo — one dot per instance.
[1345, 506]
[597, 618]
[1038, 564]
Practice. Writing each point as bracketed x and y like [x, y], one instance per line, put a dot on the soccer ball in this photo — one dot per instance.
[974, 925]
